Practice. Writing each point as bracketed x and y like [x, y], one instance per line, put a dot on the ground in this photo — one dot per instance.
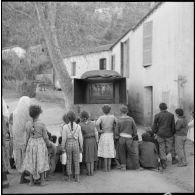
[173, 179]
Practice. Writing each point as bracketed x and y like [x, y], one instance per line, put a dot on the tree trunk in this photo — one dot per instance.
[54, 51]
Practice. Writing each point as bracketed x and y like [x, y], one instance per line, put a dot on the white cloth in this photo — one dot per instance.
[125, 135]
[190, 134]
[106, 146]
[20, 118]
[5, 109]
[63, 158]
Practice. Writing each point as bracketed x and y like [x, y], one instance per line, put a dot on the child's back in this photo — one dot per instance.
[148, 152]
[107, 123]
[148, 155]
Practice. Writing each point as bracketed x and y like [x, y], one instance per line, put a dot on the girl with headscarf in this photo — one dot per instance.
[20, 118]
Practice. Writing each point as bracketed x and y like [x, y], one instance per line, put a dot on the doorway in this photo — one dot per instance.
[148, 105]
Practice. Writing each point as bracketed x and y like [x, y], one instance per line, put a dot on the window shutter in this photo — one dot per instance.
[147, 44]
[73, 68]
[113, 62]
[125, 58]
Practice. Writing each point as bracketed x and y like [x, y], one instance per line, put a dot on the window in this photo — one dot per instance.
[103, 64]
[73, 69]
[125, 58]
[147, 44]
[113, 62]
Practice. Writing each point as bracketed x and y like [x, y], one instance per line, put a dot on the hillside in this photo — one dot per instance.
[79, 25]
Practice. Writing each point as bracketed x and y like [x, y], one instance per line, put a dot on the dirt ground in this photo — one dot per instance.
[173, 179]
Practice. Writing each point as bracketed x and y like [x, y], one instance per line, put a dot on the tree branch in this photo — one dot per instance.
[18, 11]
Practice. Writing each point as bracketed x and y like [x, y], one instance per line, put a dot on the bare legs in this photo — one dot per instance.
[42, 179]
[107, 164]
[31, 180]
[90, 168]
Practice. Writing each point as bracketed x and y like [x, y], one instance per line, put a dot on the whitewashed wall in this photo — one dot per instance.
[172, 55]
[87, 62]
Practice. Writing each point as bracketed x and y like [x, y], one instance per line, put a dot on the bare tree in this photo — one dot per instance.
[47, 24]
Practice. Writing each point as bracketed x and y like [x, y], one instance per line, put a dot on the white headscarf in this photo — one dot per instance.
[20, 118]
[5, 110]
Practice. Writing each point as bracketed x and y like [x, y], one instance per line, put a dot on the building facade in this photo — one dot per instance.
[98, 58]
[157, 57]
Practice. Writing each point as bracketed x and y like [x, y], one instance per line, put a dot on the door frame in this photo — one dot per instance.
[149, 88]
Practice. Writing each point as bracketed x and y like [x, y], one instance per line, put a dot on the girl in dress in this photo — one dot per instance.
[72, 144]
[106, 148]
[190, 134]
[90, 136]
[36, 160]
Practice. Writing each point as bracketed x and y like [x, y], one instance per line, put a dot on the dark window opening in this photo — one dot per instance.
[103, 64]
[73, 71]
[113, 62]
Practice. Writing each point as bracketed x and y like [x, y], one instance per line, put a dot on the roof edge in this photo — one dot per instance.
[90, 52]
[136, 26]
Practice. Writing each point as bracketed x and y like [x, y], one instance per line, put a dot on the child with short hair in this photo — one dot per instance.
[36, 158]
[148, 154]
[181, 128]
[90, 141]
[125, 131]
[106, 147]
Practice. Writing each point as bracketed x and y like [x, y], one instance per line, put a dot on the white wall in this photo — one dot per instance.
[172, 55]
[87, 62]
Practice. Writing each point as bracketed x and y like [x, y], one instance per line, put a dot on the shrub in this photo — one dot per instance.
[26, 88]
[9, 84]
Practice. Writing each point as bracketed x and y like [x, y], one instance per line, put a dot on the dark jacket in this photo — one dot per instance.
[164, 124]
[148, 154]
[127, 125]
[181, 126]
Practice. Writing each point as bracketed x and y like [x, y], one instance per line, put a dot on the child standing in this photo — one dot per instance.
[106, 148]
[58, 154]
[125, 131]
[36, 158]
[90, 136]
[7, 151]
[72, 144]
[181, 128]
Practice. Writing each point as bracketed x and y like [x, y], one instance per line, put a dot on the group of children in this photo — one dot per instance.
[107, 139]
